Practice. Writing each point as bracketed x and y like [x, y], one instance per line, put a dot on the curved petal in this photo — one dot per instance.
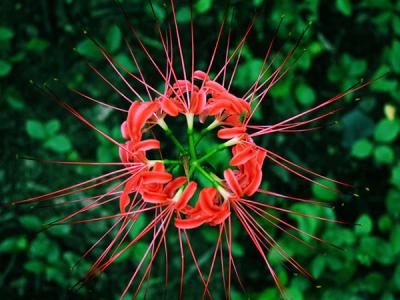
[206, 201]
[173, 185]
[220, 217]
[228, 133]
[190, 223]
[147, 145]
[201, 75]
[154, 197]
[233, 182]
[187, 194]
[149, 177]
[243, 156]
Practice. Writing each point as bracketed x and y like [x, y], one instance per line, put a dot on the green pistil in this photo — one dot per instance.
[188, 156]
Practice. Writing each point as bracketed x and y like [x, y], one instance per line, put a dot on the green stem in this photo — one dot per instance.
[206, 130]
[171, 135]
[168, 161]
[192, 148]
[211, 153]
[206, 175]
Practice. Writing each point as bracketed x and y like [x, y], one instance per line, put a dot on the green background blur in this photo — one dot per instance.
[349, 40]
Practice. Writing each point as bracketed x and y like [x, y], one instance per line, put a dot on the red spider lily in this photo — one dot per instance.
[168, 189]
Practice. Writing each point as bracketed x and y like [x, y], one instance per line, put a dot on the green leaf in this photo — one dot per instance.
[104, 153]
[35, 129]
[322, 193]
[385, 223]
[394, 56]
[138, 226]
[5, 68]
[37, 44]
[387, 296]
[88, 49]
[362, 148]
[384, 85]
[13, 244]
[305, 95]
[202, 6]
[34, 266]
[373, 282]
[395, 176]
[6, 33]
[393, 202]
[384, 154]
[396, 24]
[384, 253]
[14, 99]
[59, 143]
[248, 72]
[257, 115]
[344, 6]
[114, 38]
[269, 293]
[60, 230]
[30, 222]
[364, 225]
[183, 15]
[237, 249]
[318, 266]
[125, 61]
[386, 130]
[395, 239]
[396, 277]
[53, 126]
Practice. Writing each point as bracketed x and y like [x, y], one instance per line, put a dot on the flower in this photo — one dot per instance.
[170, 189]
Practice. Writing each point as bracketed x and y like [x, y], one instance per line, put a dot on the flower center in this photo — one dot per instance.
[203, 173]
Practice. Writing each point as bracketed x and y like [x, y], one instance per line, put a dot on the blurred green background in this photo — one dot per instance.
[349, 40]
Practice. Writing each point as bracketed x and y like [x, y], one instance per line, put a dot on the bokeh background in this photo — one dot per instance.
[349, 40]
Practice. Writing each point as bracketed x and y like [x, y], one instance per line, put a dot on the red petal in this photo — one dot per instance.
[215, 86]
[220, 217]
[201, 75]
[243, 156]
[149, 177]
[206, 201]
[124, 198]
[190, 223]
[159, 167]
[198, 102]
[186, 195]
[173, 185]
[228, 133]
[125, 130]
[138, 115]
[154, 197]
[147, 145]
[216, 106]
[169, 107]
[123, 202]
[254, 183]
[232, 182]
